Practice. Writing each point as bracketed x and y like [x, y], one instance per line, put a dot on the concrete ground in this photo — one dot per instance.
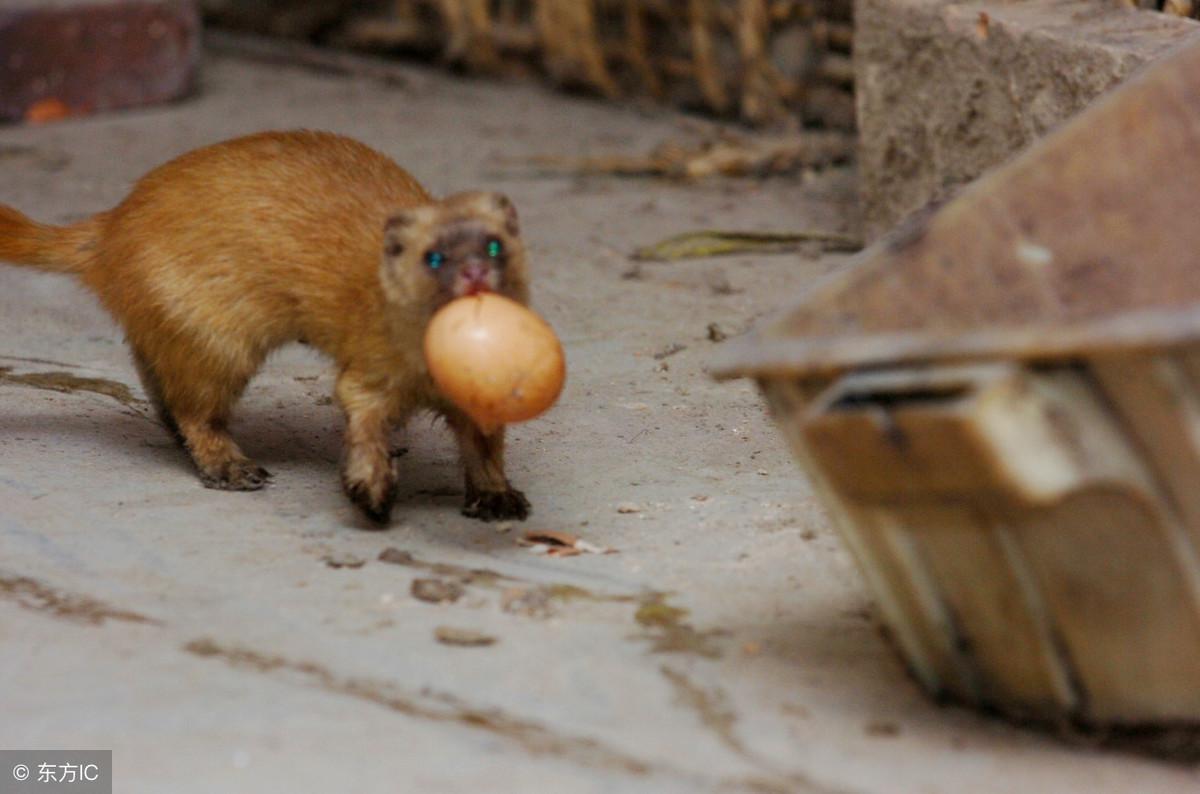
[212, 640]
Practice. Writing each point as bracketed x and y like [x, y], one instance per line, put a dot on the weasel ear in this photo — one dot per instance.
[396, 230]
[509, 210]
[393, 244]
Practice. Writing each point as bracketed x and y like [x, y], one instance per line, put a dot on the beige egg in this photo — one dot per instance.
[495, 359]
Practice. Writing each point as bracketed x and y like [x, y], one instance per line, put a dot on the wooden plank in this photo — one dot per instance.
[1157, 402]
[913, 615]
[1120, 602]
[1001, 622]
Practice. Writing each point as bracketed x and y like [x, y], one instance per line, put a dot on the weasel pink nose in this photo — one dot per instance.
[475, 278]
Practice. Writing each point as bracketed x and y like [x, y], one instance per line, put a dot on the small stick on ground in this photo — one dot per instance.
[692, 245]
[721, 156]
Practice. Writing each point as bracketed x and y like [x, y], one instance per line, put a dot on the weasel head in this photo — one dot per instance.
[464, 244]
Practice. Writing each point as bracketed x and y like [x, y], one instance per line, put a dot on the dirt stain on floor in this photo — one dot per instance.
[494, 580]
[535, 738]
[39, 597]
[712, 707]
[462, 575]
[50, 161]
[664, 625]
[66, 383]
[668, 632]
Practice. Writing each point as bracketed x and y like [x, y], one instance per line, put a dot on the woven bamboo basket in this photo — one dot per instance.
[761, 61]
[1000, 405]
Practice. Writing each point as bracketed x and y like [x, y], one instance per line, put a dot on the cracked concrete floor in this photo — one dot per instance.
[210, 640]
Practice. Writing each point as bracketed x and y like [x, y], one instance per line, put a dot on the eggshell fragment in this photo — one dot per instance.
[495, 359]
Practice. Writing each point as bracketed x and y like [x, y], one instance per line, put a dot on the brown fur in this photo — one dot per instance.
[225, 253]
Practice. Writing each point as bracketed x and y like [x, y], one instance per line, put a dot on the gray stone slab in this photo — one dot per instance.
[946, 90]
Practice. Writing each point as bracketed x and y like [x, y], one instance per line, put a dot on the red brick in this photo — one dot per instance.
[95, 56]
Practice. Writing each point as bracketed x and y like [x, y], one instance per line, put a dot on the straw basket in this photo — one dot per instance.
[762, 61]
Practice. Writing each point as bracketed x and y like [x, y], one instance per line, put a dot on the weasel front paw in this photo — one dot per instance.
[496, 505]
[374, 497]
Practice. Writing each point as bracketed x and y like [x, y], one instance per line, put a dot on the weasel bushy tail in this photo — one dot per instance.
[58, 249]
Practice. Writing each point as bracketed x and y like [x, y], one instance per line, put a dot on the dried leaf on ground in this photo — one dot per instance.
[669, 351]
[560, 544]
[436, 591]
[533, 602]
[882, 728]
[725, 155]
[708, 242]
[343, 561]
[553, 551]
[466, 638]
[396, 556]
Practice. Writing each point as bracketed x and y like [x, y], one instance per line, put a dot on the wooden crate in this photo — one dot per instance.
[1000, 405]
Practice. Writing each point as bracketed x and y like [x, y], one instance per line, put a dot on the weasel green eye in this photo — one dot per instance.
[434, 259]
[494, 248]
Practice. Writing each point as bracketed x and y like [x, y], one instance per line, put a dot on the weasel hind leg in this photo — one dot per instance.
[153, 388]
[221, 463]
[196, 409]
